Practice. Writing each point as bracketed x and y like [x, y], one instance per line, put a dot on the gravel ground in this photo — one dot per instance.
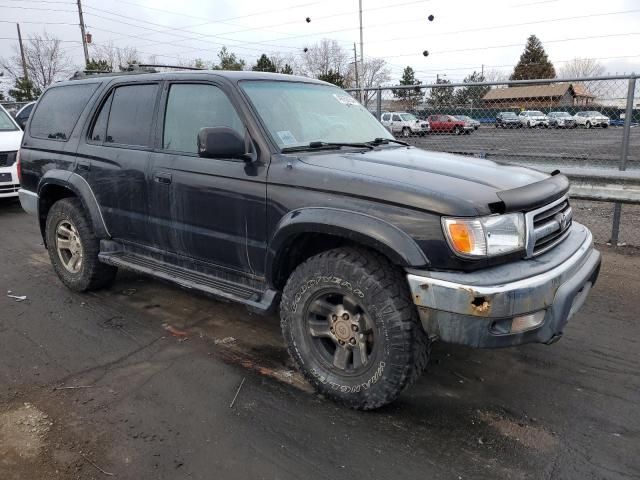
[137, 381]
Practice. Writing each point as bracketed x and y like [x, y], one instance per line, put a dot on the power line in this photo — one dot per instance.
[509, 25]
[490, 47]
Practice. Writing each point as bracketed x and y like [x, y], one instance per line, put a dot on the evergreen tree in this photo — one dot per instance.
[229, 61]
[24, 90]
[534, 62]
[287, 69]
[411, 97]
[332, 77]
[441, 96]
[473, 93]
[98, 66]
[264, 64]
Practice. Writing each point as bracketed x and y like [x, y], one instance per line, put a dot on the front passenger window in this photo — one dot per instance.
[191, 107]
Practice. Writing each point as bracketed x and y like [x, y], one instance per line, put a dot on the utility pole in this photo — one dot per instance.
[355, 66]
[361, 53]
[24, 62]
[84, 35]
[482, 72]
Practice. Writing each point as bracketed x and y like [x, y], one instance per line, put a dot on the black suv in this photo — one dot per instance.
[508, 120]
[279, 191]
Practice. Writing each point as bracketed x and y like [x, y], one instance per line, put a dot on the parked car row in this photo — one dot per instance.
[406, 124]
[535, 118]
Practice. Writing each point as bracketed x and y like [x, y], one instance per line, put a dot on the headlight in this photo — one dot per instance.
[485, 236]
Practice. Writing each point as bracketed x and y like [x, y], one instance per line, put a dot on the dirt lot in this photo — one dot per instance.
[137, 382]
[571, 148]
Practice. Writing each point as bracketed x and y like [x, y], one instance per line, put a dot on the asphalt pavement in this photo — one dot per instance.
[139, 381]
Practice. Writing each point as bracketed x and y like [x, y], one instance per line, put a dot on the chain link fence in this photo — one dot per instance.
[580, 126]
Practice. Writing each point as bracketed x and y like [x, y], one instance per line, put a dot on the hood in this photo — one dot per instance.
[10, 141]
[432, 181]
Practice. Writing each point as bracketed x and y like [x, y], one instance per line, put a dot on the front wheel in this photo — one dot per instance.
[587, 125]
[457, 131]
[73, 248]
[351, 328]
[406, 132]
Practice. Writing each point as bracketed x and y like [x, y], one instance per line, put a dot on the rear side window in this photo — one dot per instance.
[386, 117]
[59, 109]
[131, 115]
[396, 118]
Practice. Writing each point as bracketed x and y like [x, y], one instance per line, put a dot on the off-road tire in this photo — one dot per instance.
[403, 350]
[93, 274]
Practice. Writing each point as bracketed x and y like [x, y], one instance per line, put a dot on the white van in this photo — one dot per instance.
[10, 138]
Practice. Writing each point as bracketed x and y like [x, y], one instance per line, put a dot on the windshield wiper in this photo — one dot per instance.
[325, 145]
[382, 141]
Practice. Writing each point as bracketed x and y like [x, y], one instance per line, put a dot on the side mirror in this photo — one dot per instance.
[222, 142]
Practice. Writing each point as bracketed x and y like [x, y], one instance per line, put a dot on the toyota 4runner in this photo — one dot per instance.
[283, 192]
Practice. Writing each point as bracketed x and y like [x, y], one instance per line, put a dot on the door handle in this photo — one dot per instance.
[164, 178]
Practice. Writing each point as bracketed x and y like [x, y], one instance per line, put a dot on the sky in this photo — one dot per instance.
[464, 35]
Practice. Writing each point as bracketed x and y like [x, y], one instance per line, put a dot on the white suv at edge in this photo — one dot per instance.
[10, 139]
[404, 124]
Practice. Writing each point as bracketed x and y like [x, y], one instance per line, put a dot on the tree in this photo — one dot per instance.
[471, 94]
[323, 58]
[98, 66]
[332, 77]
[441, 96]
[117, 58]
[287, 69]
[534, 62]
[264, 64]
[24, 90]
[582, 67]
[374, 73]
[229, 61]
[411, 97]
[44, 58]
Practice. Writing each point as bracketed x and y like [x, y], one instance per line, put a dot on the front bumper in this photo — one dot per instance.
[478, 308]
[9, 183]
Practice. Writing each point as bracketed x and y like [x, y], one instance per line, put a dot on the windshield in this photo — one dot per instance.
[508, 114]
[407, 117]
[296, 114]
[6, 124]
[536, 113]
[593, 113]
[462, 117]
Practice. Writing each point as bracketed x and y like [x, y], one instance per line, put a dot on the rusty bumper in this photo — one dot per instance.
[519, 302]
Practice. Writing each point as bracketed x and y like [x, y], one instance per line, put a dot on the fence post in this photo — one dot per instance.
[624, 152]
[379, 103]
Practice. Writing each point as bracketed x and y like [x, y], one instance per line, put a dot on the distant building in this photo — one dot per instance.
[539, 96]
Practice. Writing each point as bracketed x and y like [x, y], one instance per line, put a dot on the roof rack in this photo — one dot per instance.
[131, 69]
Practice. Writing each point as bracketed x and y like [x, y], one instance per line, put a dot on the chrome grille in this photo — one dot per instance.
[547, 226]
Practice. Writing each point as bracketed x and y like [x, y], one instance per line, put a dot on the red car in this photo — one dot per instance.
[448, 124]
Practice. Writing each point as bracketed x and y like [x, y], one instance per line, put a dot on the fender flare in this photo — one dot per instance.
[365, 229]
[81, 189]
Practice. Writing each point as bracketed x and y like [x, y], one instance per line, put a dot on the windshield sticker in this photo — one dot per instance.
[346, 99]
[287, 137]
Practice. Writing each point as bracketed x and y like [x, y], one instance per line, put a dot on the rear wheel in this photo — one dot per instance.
[351, 328]
[73, 248]
[604, 125]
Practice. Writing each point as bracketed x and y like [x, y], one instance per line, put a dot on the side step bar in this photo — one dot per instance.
[259, 301]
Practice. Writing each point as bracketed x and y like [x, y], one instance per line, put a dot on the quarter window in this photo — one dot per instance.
[131, 115]
[59, 110]
[191, 107]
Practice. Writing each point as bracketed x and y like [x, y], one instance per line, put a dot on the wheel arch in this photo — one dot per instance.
[305, 232]
[58, 184]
